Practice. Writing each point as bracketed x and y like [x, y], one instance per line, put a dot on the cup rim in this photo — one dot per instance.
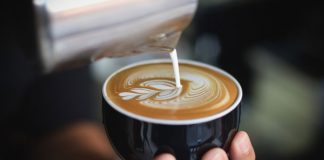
[174, 122]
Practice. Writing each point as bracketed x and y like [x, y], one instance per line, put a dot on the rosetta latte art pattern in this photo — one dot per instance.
[150, 90]
[163, 90]
[160, 93]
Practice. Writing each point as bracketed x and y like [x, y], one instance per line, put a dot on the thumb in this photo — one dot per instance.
[215, 154]
[164, 156]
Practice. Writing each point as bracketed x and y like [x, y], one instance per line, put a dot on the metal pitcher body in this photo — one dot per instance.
[79, 31]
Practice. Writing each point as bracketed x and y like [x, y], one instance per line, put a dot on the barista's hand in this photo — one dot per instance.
[241, 149]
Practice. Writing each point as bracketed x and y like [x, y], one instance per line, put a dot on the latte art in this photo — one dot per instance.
[164, 93]
[163, 90]
[150, 90]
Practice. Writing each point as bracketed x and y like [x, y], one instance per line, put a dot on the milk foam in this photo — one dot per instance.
[151, 88]
[148, 89]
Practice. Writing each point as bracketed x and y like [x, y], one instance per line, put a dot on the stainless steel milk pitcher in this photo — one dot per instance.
[72, 32]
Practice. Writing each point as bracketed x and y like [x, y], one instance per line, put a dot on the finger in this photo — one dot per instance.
[164, 156]
[241, 148]
[215, 154]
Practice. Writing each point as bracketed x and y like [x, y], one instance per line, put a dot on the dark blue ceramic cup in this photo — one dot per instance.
[137, 138]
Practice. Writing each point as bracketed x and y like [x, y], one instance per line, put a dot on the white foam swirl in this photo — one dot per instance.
[160, 90]
[161, 93]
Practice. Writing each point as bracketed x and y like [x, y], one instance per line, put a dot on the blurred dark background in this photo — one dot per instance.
[275, 48]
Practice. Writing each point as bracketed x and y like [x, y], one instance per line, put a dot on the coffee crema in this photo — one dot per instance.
[149, 90]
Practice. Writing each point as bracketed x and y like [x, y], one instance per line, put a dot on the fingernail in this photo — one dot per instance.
[214, 154]
[244, 144]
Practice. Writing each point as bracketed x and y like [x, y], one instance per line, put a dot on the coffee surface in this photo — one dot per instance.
[149, 90]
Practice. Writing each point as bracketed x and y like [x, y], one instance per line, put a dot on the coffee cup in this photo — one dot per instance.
[145, 114]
